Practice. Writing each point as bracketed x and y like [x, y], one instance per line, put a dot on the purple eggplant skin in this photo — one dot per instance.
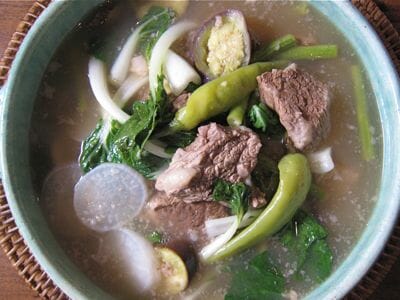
[200, 47]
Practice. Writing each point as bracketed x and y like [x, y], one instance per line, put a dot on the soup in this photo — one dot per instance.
[215, 169]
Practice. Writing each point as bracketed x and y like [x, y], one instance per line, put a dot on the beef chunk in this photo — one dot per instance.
[183, 220]
[302, 103]
[217, 152]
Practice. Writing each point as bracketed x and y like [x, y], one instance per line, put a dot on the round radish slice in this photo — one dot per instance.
[109, 196]
[132, 257]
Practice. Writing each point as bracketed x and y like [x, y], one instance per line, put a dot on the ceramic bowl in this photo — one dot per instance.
[17, 105]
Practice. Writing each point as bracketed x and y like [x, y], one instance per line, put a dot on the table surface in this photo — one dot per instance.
[13, 287]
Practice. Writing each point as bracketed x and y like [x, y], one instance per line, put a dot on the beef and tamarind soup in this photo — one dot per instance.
[206, 149]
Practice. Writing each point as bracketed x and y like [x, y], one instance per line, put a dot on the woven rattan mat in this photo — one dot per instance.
[16, 250]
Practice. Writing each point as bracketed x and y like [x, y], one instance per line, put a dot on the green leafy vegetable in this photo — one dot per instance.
[266, 175]
[307, 247]
[124, 143]
[261, 279]
[155, 237]
[179, 139]
[95, 146]
[236, 194]
[262, 118]
[161, 19]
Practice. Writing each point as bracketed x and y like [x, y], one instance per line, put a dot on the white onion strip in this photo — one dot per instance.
[129, 88]
[219, 241]
[98, 83]
[179, 73]
[120, 68]
[321, 161]
[215, 227]
[160, 50]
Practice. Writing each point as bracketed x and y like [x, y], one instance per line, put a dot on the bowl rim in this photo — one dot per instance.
[356, 266]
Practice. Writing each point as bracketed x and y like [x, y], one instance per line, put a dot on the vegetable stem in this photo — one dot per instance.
[367, 146]
[273, 48]
[309, 53]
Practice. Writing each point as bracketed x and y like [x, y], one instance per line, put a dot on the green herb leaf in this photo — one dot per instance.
[261, 279]
[155, 237]
[179, 139]
[236, 194]
[94, 150]
[192, 87]
[161, 19]
[262, 118]
[305, 240]
[266, 175]
[124, 143]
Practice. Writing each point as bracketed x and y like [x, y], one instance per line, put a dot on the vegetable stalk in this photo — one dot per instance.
[294, 183]
[309, 53]
[367, 146]
[275, 47]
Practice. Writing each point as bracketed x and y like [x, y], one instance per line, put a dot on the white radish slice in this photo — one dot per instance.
[57, 196]
[98, 83]
[321, 161]
[179, 73]
[130, 256]
[109, 196]
[160, 50]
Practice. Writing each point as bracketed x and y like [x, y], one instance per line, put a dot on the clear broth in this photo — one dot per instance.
[66, 112]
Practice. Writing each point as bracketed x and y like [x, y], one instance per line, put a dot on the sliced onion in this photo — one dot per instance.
[98, 83]
[128, 89]
[157, 150]
[321, 161]
[160, 50]
[179, 73]
[219, 241]
[120, 68]
[109, 196]
[215, 227]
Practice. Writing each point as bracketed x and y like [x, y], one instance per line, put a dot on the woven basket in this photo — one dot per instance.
[22, 259]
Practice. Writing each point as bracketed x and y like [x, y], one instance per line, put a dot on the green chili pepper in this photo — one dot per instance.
[294, 183]
[237, 113]
[220, 95]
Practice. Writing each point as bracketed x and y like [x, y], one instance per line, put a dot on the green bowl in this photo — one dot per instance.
[18, 100]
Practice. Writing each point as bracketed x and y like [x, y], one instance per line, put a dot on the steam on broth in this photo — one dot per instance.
[338, 203]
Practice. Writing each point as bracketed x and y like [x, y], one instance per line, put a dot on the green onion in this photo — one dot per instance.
[275, 47]
[309, 53]
[367, 146]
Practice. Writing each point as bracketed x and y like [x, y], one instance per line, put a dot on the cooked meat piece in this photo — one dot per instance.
[183, 220]
[302, 103]
[217, 152]
[257, 198]
[180, 101]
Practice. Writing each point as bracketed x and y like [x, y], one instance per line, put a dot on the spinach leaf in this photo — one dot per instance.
[192, 87]
[124, 142]
[266, 175]
[179, 139]
[236, 194]
[305, 240]
[95, 147]
[261, 279]
[262, 118]
[161, 18]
